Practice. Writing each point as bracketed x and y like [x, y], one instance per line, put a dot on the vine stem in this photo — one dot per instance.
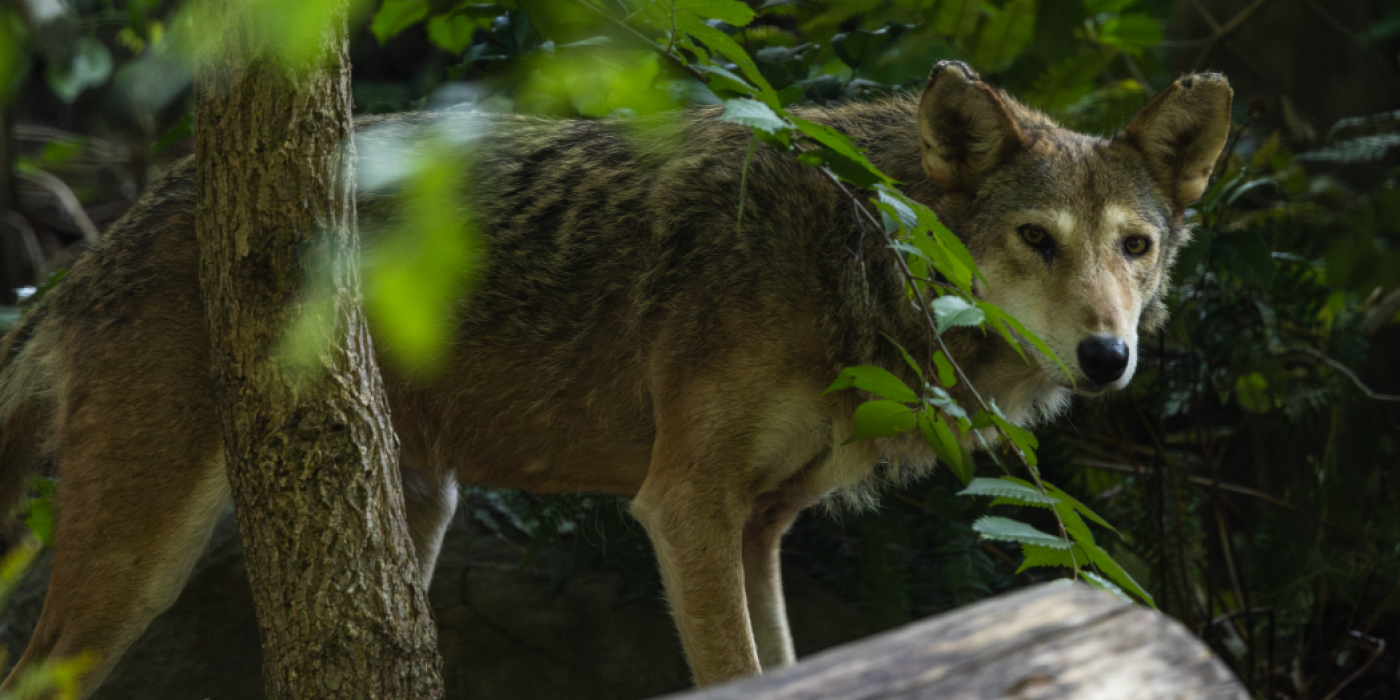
[924, 308]
[668, 52]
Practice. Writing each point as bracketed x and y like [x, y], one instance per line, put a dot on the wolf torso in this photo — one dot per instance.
[629, 333]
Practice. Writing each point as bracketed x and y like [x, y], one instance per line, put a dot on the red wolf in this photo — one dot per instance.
[630, 335]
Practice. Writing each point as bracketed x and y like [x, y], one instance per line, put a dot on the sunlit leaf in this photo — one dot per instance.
[1018, 493]
[1040, 556]
[881, 419]
[1104, 584]
[994, 527]
[728, 11]
[754, 114]
[874, 380]
[951, 310]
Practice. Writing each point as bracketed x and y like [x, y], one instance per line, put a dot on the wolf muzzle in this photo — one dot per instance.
[1103, 358]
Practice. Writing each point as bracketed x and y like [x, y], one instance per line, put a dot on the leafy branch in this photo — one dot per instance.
[923, 246]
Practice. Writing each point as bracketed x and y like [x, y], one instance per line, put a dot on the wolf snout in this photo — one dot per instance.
[1103, 358]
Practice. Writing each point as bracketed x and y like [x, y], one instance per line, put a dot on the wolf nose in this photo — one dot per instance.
[1103, 358]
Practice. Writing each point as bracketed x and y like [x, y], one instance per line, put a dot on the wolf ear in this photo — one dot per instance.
[965, 128]
[1181, 132]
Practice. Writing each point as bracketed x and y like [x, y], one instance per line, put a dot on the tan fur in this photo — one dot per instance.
[630, 335]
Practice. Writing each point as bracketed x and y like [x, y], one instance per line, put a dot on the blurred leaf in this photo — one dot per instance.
[1252, 391]
[453, 32]
[13, 59]
[957, 19]
[394, 16]
[90, 67]
[729, 11]
[1004, 36]
[1133, 31]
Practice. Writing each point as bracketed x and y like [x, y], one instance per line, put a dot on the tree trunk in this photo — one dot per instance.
[312, 459]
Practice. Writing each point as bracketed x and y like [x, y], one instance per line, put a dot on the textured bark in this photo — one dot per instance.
[312, 462]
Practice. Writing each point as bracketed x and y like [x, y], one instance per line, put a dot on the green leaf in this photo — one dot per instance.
[1111, 569]
[1252, 392]
[950, 452]
[1004, 36]
[753, 114]
[1038, 556]
[1023, 439]
[874, 380]
[951, 310]
[841, 143]
[1131, 31]
[728, 11]
[1103, 584]
[908, 359]
[1078, 506]
[995, 527]
[1098, 7]
[724, 45]
[946, 376]
[957, 19]
[1015, 491]
[847, 169]
[40, 520]
[881, 419]
[394, 16]
[453, 32]
[897, 207]
[1070, 80]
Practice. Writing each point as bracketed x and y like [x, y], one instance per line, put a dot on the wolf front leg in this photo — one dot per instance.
[696, 526]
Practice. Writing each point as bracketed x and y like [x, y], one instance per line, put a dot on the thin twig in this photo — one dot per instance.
[1222, 31]
[67, 200]
[1350, 375]
[1379, 648]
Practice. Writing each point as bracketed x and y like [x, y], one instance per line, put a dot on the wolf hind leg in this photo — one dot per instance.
[772, 515]
[130, 529]
[429, 502]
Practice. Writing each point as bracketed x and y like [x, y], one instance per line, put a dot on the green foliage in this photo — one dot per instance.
[1248, 468]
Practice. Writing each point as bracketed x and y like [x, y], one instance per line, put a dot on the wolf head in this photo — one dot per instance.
[1075, 234]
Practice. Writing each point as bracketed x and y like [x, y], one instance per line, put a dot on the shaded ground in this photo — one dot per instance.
[504, 631]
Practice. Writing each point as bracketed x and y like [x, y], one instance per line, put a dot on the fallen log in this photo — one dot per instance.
[1067, 642]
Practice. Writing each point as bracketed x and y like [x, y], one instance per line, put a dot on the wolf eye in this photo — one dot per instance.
[1035, 236]
[1136, 246]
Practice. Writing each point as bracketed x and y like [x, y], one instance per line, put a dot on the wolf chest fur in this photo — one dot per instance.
[630, 335]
